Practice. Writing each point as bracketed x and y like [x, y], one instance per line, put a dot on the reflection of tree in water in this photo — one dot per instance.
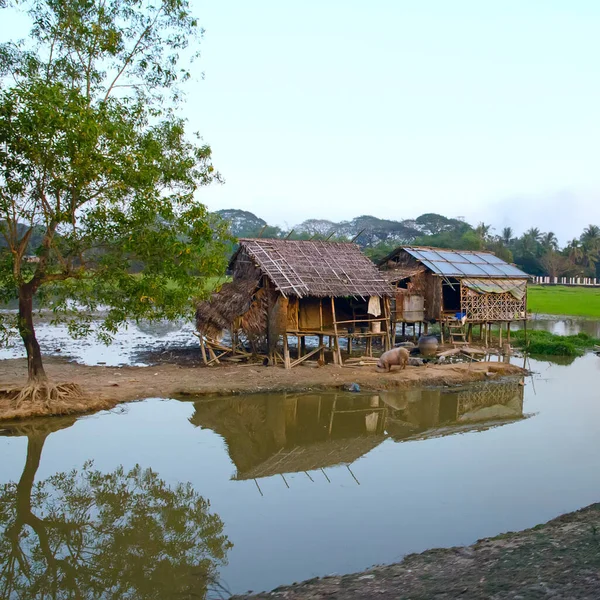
[87, 534]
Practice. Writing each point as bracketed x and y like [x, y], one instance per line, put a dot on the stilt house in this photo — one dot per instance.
[284, 291]
[456, 288]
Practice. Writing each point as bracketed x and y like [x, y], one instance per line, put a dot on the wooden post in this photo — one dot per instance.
[470, 332]
[322, 351]
[321, 314]
[403, 330]
[500, 334]
[388, 324]
[335, 330]
[508, 332]
[426, 328]
[203, 349]
[286, 352]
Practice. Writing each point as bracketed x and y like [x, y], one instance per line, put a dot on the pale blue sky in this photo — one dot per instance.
[333, 109]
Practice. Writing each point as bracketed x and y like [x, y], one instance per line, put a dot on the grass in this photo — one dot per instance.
[563, 300]
[546, 343]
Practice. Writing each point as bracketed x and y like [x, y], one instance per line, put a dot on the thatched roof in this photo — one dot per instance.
[320, 455]
[396, 274]
[223, 307]
[315, 268]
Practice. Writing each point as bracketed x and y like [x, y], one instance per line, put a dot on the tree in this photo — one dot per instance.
[590, 249]
[88, 534]
[483, 231]
[555, 264]
[507, 235]
[549, 241]
[94, 158]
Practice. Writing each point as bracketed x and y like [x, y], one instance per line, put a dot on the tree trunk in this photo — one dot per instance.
[35, 368]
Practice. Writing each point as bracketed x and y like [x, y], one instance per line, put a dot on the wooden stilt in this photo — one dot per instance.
[426, 328]
[508, 332]
[500, 334]
[203, 349]
[335, 329]
[286, 352]
[470, 332]
[403, 331]
[322, 352]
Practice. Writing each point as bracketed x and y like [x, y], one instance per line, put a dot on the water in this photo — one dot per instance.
[129, 341]
[300, 485]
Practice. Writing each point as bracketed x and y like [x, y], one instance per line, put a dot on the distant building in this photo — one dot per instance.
[455, 288]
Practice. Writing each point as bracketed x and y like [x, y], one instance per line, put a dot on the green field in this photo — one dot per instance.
[562, 300]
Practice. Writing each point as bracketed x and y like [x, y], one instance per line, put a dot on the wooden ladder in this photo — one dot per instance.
[458, 335]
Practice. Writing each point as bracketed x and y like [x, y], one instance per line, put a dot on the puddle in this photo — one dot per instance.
[288, 487]
[131, 344]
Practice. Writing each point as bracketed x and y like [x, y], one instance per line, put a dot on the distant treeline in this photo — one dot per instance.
[536, 252]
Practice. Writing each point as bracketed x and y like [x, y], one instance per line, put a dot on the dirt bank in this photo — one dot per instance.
[111, 385]
[558, 560]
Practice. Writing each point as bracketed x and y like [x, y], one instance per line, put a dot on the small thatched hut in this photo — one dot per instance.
[450, 286]
[268, 436]
[285, 288]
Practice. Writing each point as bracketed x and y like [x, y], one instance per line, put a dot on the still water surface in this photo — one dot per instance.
[285, 488]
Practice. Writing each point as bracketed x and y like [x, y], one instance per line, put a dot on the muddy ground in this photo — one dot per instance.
[558, 560]
[107, 386]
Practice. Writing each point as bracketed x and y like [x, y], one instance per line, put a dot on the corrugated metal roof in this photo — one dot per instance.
[459, 263]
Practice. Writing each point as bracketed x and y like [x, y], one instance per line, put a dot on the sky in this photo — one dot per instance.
[334, 109]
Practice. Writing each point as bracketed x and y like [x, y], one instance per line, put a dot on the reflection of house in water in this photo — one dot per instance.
[271, 435]
[419, 414]
[278, 434]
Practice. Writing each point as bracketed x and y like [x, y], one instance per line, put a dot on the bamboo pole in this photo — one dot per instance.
[286, 352]
[203, 349]
[335, 329]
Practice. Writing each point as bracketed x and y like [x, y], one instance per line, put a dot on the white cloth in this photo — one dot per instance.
[374, 306]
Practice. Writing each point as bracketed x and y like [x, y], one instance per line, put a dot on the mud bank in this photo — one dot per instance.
[108, 386]
[559, 560]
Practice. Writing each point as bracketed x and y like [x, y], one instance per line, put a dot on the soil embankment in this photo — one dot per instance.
[107, 386]
[559, 560]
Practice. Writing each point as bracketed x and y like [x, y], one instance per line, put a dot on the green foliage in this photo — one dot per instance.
[563, 300]
[98, 178]
[123, 534]
[546, 343]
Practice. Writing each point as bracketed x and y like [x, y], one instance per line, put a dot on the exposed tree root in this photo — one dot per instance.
[46, 398]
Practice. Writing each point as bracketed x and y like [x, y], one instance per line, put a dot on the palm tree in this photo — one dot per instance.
[591, 236]
[590, 241]
[549, 241]
[507, 235]
[574, 251]
[483, 231]
[534, 233]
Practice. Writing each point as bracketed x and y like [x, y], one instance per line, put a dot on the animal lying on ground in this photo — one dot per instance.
[395, 356]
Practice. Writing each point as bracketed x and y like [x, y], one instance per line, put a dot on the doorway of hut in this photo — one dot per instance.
[451, 295]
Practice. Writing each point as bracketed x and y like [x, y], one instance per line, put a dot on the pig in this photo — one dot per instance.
[395, 356]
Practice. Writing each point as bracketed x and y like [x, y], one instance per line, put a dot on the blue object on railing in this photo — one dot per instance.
[460, 315]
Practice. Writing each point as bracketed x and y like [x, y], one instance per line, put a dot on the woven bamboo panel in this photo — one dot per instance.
[489, 395]
[491, 307]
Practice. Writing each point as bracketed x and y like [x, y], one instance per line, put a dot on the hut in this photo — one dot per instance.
[284, 289]
[456, 288]
[277, 435]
